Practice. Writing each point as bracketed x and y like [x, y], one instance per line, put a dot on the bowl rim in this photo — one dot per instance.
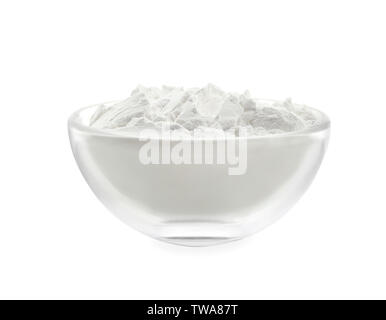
[74, 121]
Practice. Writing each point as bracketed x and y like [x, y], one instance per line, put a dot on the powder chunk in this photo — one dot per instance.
[209, 101]
[206, 109]
[273, 119]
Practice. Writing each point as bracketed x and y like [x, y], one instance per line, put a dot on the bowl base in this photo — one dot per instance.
[197, 234]
[197, 241]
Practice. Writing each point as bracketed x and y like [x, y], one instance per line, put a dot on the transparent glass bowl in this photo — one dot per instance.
[197, 205]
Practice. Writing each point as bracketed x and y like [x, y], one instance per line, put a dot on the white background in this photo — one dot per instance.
[56, 238]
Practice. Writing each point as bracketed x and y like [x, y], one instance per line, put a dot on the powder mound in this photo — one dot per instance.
[205, 109]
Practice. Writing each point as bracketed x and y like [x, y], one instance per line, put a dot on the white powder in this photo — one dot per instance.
[205, 109]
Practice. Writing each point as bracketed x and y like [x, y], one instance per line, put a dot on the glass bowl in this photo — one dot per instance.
[198, 204]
